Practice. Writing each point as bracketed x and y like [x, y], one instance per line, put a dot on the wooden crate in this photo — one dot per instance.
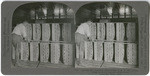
[108, 51]
[29, 31]
[98, 51]
[55, 32]
[120, 31]
[131, 32]
[93, 31]
[24, 51]
[67, 54]
[119, 52]
[101, 31]
[34, 51]
[132, 53]
[55, 53]
[36, 31]
[110, 32]
[44, 52]
[66, 32]
[88, 50]
[45, 32]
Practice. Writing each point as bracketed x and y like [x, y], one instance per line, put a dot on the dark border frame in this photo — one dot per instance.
[142, 9]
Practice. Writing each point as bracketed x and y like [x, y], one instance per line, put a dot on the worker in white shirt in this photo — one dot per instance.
[83, 34]
[18, 35]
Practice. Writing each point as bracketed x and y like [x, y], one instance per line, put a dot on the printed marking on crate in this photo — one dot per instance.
[132, 53]
[131, 32]
[36, 31]
[108, 51]
[34, 51]
[45, 32]
[98, 51]
[88, 50]
[119, 52]
[55, 31]
[24, 51]
[44, 52]
[120, 31]
[100, 31]
[55, 53]
[110, 31]
[67, 54]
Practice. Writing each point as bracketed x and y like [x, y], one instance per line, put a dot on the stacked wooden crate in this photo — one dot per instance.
[36, 32]
[66, 31]
[46, 32]
[34, 51]
[24, 51]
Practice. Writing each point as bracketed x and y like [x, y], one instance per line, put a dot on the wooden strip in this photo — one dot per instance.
[13, 52]
[120, 31]
[44, 52]
[34, 51]
[93, 31]
[119, 52]
[36, 32]
[24, 51]
[131, 32]
[67, 54]
[98, 51]
[132, 54]
[55, 32]
[45, 32]
[88, 50]
[55, 53]
[101, 31]
[110, 31]
[66, 32]
[29, 31]
[108, 51]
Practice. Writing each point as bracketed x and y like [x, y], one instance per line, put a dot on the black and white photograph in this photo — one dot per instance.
[79, 37]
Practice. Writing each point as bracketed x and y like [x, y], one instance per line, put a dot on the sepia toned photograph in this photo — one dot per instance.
[75, 37]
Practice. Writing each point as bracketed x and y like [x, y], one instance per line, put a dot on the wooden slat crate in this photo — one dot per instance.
[66, 32]
[132, 53]
[34, 51]
[67, 54]
[131, 32]
[98, 51]
[36, 31]
[101, 31]
[24, 51]
[120, 31]
[110, 32]
[82, 50]
[55, 31]
[45, 32]
[77, 51]
[29, 31]
[108, 51]
[93, 31]
[88, 50]
[55, 53]
[119, 52]
[44, 52]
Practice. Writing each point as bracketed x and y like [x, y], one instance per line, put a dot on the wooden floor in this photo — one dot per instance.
[78, 64]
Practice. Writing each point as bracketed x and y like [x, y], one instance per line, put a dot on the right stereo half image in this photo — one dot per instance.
[106, 36]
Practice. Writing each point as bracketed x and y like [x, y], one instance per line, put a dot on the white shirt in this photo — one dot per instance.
[84, 29]
[20, 29]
